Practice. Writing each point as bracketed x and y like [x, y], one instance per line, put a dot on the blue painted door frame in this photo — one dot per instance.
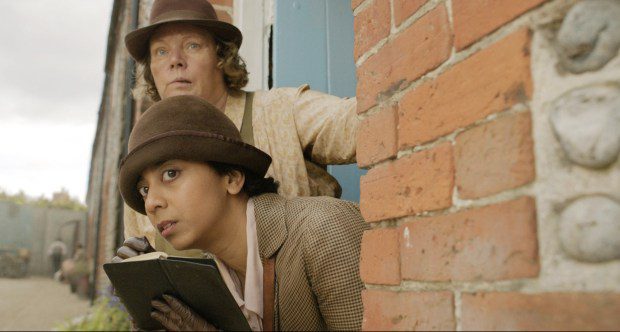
[313, 43]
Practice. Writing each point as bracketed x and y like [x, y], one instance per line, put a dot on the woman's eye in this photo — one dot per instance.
[143, 191]
[193, 46]
[170, 174]
[160, 52]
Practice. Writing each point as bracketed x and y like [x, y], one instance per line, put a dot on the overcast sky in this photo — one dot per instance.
[52, 55]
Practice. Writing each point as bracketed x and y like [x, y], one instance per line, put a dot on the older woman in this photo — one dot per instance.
[186, 50]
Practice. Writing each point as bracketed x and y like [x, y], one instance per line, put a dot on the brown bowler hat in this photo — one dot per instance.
[198, 12]
[187, 128]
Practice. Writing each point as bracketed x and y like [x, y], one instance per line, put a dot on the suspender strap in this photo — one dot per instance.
[247, 131]
[269, 277]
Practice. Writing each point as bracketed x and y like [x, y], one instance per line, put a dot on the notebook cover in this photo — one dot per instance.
[195, 281]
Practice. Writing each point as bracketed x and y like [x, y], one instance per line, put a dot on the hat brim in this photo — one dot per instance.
[137, 41]
[192, 147]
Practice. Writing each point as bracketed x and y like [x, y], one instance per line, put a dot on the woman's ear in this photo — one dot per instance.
[235, 180]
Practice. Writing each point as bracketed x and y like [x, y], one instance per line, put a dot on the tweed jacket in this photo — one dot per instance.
[301, 130]
[317, 242]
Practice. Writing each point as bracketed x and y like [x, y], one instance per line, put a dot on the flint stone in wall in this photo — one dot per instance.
[589, 36]
[586, 121]
[590, 229]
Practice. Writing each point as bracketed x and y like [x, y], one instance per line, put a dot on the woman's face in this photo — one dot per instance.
[186, 201]
[183, 60]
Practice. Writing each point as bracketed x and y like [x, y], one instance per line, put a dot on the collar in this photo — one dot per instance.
[270, 213]
[253, 290]
[252, 297]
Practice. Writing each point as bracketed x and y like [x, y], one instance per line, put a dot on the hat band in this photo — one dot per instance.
[177, 15]
[194, 133]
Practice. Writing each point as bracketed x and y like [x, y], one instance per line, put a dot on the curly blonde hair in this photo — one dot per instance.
[229, 60]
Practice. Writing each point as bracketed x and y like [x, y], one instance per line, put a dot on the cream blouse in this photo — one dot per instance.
[250, 297]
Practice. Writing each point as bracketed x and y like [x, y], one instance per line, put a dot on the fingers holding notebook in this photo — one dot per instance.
[176, 316]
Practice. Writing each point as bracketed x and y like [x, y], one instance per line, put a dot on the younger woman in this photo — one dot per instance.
[203, 188]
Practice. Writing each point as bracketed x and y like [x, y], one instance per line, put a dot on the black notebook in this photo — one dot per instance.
[195, 281]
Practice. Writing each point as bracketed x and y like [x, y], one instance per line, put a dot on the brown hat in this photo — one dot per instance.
[198, 12]
[187, 128]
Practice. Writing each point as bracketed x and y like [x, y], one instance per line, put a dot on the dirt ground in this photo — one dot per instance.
[37, 303]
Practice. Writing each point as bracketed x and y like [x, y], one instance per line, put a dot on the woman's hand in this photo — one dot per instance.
[133, 246]
[176, 316]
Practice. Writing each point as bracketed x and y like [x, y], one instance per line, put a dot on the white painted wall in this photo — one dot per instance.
[254, 18]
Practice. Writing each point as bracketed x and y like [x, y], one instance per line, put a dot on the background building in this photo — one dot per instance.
[33, 228]
[491, 138]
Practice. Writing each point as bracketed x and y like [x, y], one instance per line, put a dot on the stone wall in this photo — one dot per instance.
[491, 134]
[103, 199]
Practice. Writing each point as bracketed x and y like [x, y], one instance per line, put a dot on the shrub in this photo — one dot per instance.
[103, 316]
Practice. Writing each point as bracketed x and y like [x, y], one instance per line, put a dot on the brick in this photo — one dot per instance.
[370, 26]
[408, 311]
[495, 156]
[380, 257]
[415, 51]
[495, 242]
[403, 9]
[376, 137]
[423, 181]
[473, 19]
[223, 16]
[546, 311]
[490, 81]
[227, 3]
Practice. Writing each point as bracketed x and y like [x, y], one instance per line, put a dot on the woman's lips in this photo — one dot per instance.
[181, 81]
[166, 227]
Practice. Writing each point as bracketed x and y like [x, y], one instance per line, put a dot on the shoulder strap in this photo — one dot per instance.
[269, 285]
[247, 131]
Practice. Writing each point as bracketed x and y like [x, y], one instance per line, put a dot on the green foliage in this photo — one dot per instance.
[103, 316]
[61, 200]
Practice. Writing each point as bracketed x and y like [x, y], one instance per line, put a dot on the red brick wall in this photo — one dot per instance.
[444, 92]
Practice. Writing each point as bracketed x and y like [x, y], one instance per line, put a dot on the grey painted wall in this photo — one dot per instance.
[35, 228]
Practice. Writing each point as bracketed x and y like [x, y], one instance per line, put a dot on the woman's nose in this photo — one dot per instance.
[154, 201]
[177, 59]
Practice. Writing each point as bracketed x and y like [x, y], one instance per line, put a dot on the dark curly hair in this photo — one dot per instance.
[253, 185]
[229, 60]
